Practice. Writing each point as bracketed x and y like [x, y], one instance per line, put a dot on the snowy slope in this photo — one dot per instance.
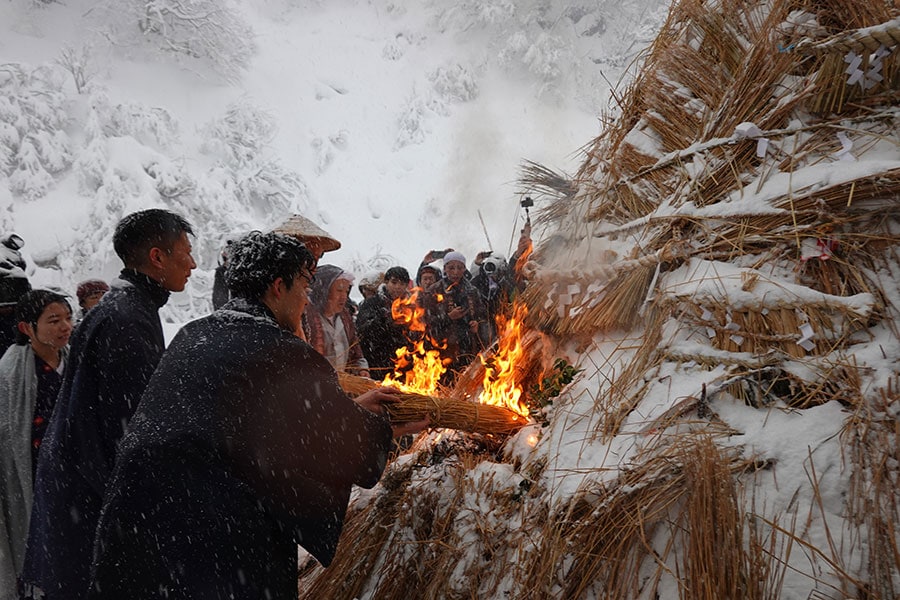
[390, 124]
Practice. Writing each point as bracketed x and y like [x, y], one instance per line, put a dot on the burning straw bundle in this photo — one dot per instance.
[447, 413]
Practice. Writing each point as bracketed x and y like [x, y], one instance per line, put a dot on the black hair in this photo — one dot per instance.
[258, 259]
[31, 306]
[137, 233]
[397, 273]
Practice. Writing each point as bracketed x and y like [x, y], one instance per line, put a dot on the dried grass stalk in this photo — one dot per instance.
[872, 441]
[444, 413]
[366, 531]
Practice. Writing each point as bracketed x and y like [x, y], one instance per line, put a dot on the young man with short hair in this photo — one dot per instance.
[379, 335]
[113, 354]
[243, 447]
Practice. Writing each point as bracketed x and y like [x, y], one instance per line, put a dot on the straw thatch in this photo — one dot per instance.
[305, 230]
[711, 232]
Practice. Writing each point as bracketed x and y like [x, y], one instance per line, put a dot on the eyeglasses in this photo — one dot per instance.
[309, 278]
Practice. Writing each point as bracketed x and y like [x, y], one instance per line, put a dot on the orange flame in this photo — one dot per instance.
[418, 370]
[406, 311]
[523, 258]
[500, 385]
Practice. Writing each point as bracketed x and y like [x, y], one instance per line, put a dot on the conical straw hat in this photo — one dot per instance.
[305, 230]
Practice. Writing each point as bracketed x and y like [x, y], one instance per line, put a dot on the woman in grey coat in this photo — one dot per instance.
[30, 376]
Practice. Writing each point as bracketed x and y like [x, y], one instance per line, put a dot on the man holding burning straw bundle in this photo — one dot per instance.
[242, 447]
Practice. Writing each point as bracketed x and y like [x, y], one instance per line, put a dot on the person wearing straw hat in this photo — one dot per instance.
[243, 447]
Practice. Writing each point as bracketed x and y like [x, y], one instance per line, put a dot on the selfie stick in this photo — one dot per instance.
[490, 247]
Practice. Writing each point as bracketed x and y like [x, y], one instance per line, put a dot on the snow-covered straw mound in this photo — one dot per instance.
[723, 270]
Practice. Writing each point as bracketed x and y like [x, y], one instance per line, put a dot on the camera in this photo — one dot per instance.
[526, 202]
[494, 265]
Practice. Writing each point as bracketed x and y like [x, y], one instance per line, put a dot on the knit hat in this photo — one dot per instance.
[457, 256]
[89, 288]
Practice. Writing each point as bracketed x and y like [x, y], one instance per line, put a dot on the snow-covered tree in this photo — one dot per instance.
[211, 31]
[33, 114]
[238, 140]
[78, 62]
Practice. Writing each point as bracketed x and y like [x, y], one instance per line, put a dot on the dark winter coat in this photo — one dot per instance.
[497, 294]
[462, 343]
[243, 447]
[113, 354]
[379, 335]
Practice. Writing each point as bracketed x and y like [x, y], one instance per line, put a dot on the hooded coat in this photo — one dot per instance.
[243, 447]
[113, 353]
[326, 275]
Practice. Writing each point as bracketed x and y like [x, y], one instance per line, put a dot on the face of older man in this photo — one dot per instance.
[337, 296]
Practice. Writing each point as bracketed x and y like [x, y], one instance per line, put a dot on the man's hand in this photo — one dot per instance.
[375, 400]
[457, 312]
[479, 258]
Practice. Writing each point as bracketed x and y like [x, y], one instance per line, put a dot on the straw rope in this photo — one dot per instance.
[867, 38]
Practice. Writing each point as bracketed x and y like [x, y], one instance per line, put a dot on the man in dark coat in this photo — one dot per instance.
[113, 354]
[379, 334]
[243, 446]
[455, 313]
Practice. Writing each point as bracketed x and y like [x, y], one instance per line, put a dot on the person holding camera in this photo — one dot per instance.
[492, 276]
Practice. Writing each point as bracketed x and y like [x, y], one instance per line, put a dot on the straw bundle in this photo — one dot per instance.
[873, 444]
[354, 562]
[761, 329]
[606, 542]
[443, 413]
[600, 306]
